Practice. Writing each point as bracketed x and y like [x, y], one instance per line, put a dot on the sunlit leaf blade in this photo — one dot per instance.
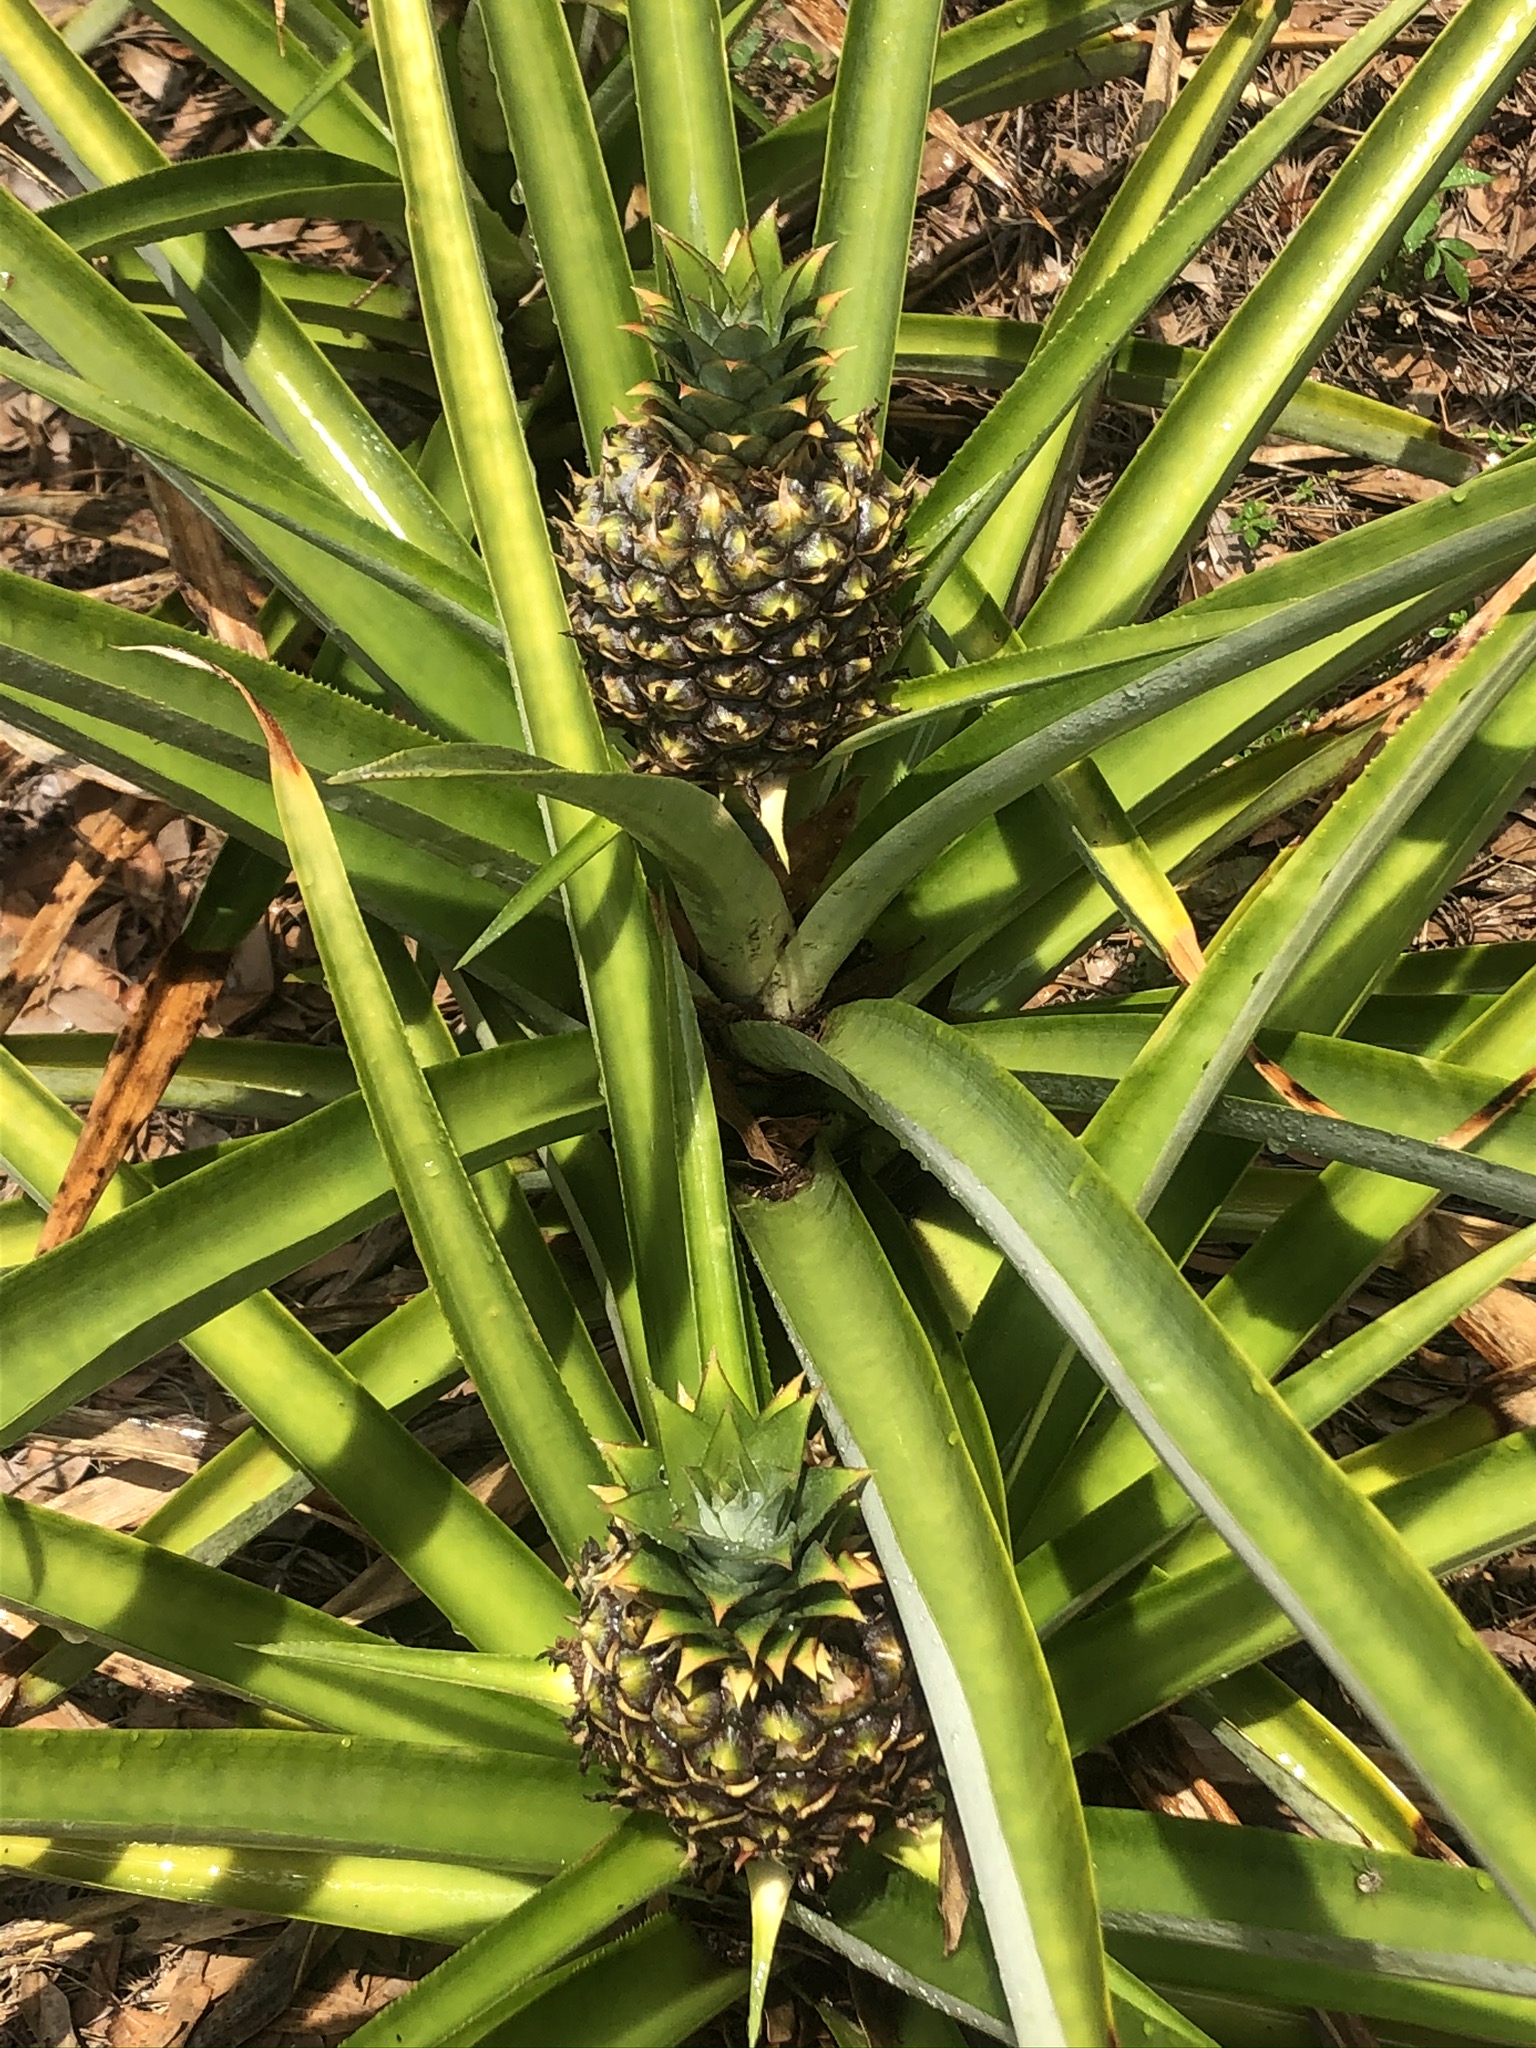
[980, 66]
[575, 223]
[875, 139]
[687, 122]
[232, 1077]
[1372, 921]
[493, 1975]
[984, 878]
[71, 671]
[1186, 833]
[199, 1246]
[1304, 1263]
[394, 1895]
[1419, 1940]
[492, 1327]
[733, 903]
[501, 1808]
[1169, 1364]
[480, 1574]
[209, 192]
[977, 1656]
[1308, 1763]
[209, 1625]
[609, 915]
[958, 347]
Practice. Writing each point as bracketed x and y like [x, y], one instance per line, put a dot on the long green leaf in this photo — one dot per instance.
[234, 1077]
[720, 1313]
[500, 1808]
[203, 1244]
[476, 1991]
[404, 1362]
[570, 208]
[1011, 552]
[1264, 351]
[687, 123]
[487, 1581]
[984, 877]
[1277, 1913]
[959, 348]
[1169, 1364]
[217, 191]
[877, 130]
[1353, 1217]
[491, 1323]
[543, 883]
[979, 1661]
[1308, 1763]
[1405, 1099]
[395, 1895]
[217, 1628]
[1377, 918]
[609, 914]
[734, 905]
[661, 1977]
[1305, 1263]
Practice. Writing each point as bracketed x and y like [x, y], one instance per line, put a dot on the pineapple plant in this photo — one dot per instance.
[735, 562]
[739, 1667]
[801, 1130]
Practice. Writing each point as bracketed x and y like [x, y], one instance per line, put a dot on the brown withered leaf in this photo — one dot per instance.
[955, 1881]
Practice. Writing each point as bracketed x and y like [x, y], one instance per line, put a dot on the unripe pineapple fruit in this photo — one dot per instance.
[734, 564]
[738, 1666]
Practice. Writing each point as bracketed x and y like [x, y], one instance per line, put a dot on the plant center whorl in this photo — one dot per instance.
[734, 565]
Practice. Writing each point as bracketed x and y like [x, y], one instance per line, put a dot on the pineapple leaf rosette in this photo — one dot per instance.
[738, 1667]
[691, 1116]
[735, 563]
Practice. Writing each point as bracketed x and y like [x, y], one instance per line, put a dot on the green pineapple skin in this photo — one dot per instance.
[734, 568]
[738, 1666]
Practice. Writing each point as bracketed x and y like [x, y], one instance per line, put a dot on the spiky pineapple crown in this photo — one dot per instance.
[760, 1536]
[738, 343]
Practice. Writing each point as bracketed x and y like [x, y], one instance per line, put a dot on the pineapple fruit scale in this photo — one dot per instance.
[738, 1667]
[733, 568]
